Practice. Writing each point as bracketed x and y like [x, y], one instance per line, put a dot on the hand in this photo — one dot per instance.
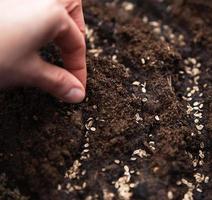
[25, 27]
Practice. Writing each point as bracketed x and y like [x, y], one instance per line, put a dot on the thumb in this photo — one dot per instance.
[57, 81]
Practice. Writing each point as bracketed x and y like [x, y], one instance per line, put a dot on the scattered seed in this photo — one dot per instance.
[170, 195]
[117, 161]
[132, 185]
[126, 168]
[86, 145]
[143, 61]
[93, 129]
[128, 6]
[144, 99]
[143, 89]
[157, 118]
[137, 83]
[59, 187]
[199, 127]
[133, 158]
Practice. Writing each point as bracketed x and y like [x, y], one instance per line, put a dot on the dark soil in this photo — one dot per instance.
[140, 75]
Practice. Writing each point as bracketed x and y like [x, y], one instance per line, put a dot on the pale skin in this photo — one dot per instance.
[26, 26]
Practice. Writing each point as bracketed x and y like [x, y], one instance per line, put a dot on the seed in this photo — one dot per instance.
[202, 145]
[157, 30]
[196, 103]
[137, 83]
[201, 106]
[126, 168]
[86, 150]
[170, 195]
[155, 24]
[201, 154]
[84, 185]
[143, 90]
[132, 185]
[117, 161]
[196, 121]
[199, 127]
[133, 158]
[199, 190]
[86, 145]
[128, 6]
[145, 99]
[93, 129]
[199, 115]
[207, 179]
[143, 61]
[145, 19]
[189, 94]
[59, 187]
[198, 65]
[83, 172]
[193, 61]
[196, 108]
[157, 118]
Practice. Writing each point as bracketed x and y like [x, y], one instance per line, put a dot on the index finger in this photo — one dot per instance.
[72, 44]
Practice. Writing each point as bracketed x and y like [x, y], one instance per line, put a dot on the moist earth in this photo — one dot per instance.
[143, 132]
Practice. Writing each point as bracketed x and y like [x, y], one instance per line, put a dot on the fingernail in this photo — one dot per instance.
[75, 95]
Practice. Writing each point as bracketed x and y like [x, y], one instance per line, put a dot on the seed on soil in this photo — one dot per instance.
[141, 153]
[132, 185]
[170, 195]
[137, 83]
[128, 6]
[201, 154]
[196, 121]
[94, 107]
[144, 99]
[138, 118]
[154, 24]
[145, 19]
[199, 127]
[86, 150]
[157, 118]
[201, 106]
[114, 58]
[199, 190]
[196, 103]
[202, 145]
[207, 179]
[197, 114]
[93, 129]
[126, 168]
[143, 89]
[117, 161]
[143, 61]
[83, 172]
[195, 162]
[59, 187]
[133, 158]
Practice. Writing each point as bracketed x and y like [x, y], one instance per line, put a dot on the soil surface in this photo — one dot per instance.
[144, 130]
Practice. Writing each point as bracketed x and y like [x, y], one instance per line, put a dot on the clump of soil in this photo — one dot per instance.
[135, 136]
